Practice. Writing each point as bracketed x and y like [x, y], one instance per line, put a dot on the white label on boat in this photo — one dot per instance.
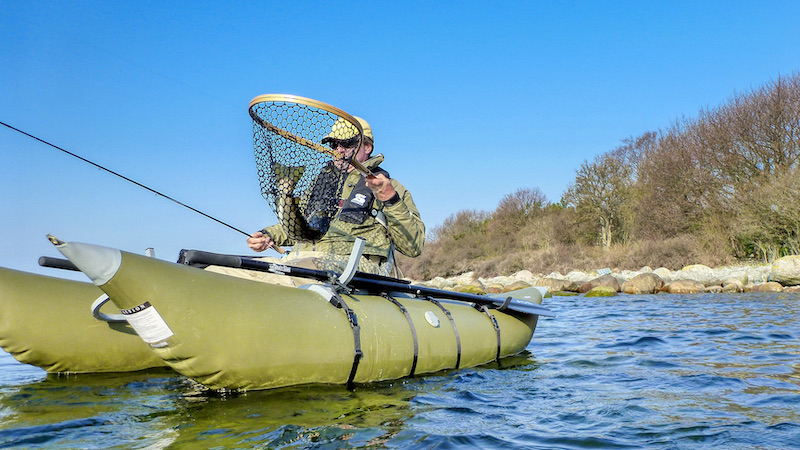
[148, 323]
[432, 319]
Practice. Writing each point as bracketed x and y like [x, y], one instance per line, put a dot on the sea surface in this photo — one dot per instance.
[663, 371]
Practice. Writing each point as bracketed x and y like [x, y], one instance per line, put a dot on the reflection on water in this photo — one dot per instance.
[657, 371]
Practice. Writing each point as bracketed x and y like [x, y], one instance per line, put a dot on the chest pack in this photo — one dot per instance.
[359, 205]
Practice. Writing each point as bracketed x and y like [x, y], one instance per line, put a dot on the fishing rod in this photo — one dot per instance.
[124, 178]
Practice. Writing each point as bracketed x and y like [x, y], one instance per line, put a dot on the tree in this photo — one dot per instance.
[599, 193]
[515, 212]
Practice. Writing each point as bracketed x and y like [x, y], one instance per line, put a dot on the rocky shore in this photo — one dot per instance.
[783, 275]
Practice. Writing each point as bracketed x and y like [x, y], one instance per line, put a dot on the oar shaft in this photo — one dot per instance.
[360, 281]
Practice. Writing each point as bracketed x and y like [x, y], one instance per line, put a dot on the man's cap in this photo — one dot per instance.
[343, 130]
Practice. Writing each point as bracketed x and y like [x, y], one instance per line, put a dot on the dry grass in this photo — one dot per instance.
[674, 253]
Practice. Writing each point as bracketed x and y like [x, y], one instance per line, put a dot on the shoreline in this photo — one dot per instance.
[782, 275]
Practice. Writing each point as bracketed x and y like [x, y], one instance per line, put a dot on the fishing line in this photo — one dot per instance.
[124, 178]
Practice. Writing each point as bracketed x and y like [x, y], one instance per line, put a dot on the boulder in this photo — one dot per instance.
[516, 285]
[734, 275]
[758, 274]
[714, 289]
[644, 283]
[699, 273]
[561, 293]
[464, 278]
[684, 287]
[786, 270]
[578, 277]
[557, 284]
[441, 283]
[605, 280]
[495, 289]
[732, 287]
[497, 280]
[469, 289]
[627, 275]
[524, 275]
[769, 286]
[664, 273]
[792, 289]
[601, 291]
[478, 284]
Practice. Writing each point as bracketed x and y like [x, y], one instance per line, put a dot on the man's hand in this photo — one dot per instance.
[259, 241]
[381, 187]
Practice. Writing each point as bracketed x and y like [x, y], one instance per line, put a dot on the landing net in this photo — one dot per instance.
[301, 176]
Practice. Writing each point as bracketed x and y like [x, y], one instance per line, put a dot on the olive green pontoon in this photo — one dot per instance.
[48, 322]
[233, 333]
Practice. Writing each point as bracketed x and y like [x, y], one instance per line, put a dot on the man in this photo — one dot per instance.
[377, 208]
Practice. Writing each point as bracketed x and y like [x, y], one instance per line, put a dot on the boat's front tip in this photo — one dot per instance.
[99, 263]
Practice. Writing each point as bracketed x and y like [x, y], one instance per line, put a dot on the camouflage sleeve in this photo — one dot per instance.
[406, 228]
[278, 235]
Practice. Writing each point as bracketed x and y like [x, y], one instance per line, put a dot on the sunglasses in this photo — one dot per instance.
[344, 143]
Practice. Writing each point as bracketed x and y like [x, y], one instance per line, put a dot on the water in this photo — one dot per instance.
[664, 371]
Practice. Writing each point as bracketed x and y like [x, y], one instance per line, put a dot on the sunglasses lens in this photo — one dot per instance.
[344, 143]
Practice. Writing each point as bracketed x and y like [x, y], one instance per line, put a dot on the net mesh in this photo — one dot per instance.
[301, 176]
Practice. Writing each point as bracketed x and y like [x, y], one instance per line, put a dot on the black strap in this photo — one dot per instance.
[455, 328]
[413, 330]
[485, 309]
[338, 302]
[504, 305]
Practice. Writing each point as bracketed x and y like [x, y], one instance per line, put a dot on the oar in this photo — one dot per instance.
[57, 263]
[361, 280]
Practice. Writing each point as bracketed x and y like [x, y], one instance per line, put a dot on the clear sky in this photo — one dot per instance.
[468, 100]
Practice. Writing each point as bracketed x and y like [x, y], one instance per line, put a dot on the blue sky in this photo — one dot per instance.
[469, 101]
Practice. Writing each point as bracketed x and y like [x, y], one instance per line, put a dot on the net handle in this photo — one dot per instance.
[303, 141]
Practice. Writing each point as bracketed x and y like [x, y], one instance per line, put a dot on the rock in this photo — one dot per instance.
[758, 274]
[495, 289]
[441, 283]
[713, 289]
[769, 286]
[664, 273]
[601, 291]
[556, 284]
[497, 280]
[684, 287]
[605, 280]
[524, 275]
[732, 287]
[733, 275]
[699, 273]
[786, 270]
[644, 283]
[792, 289]
[478, 284]
[464, 278]
[516, 285]
[562, 293]
[627, 275]
[646, 269]
[578, 277]
[469, 289]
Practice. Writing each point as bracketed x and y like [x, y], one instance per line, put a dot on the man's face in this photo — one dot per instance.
[347, 148]
[344, 147]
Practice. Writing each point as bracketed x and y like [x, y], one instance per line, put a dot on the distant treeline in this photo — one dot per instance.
[717, 189]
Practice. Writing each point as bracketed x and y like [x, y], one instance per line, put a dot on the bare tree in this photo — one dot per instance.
[599, 193]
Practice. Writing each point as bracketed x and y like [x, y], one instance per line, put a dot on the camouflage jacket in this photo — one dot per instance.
[404, 227]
